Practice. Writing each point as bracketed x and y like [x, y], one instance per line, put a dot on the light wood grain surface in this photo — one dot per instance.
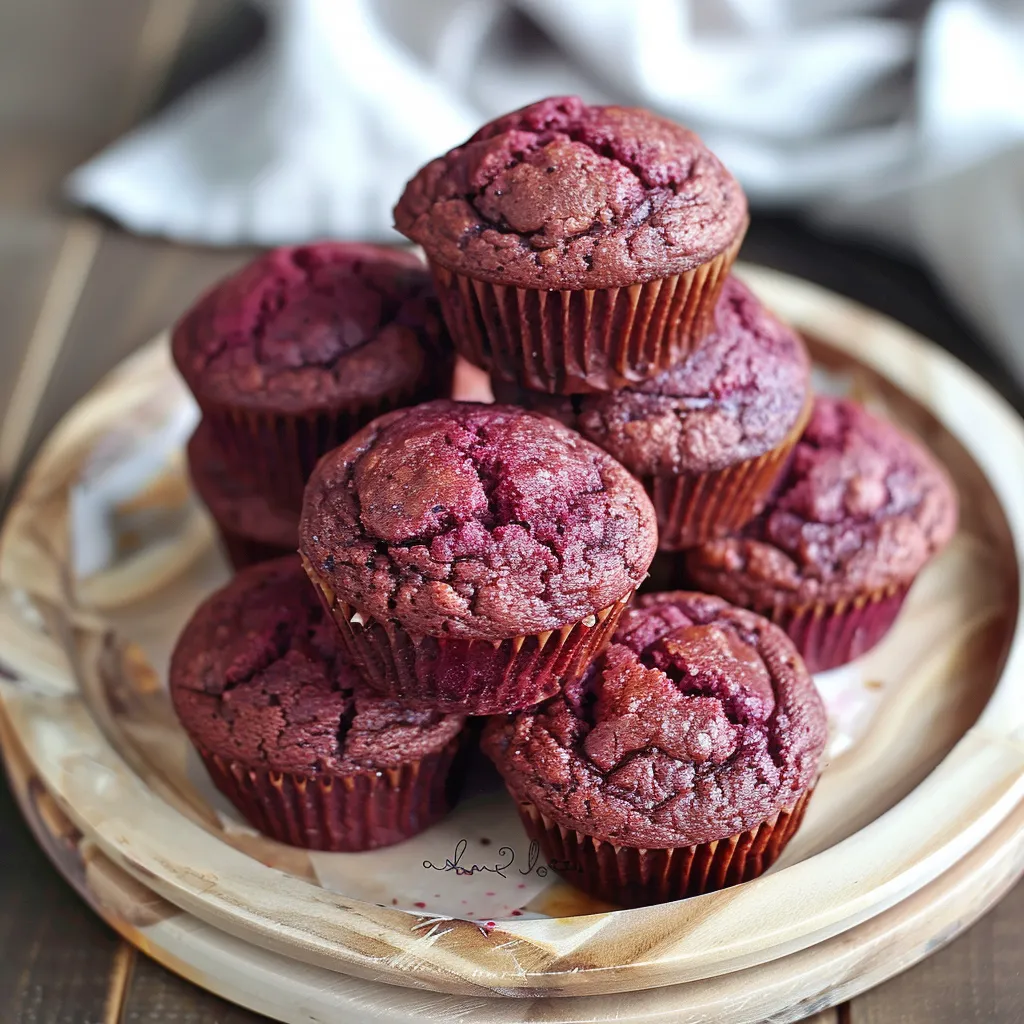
[77, 294]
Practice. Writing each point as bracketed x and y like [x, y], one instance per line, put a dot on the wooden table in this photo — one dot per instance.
[76, 295]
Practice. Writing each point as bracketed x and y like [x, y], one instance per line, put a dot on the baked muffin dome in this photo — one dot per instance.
[311, 327]
[475, 521]
[298, 350]
[562, 195]
[699, 722]
[258, 675]
[863, 507]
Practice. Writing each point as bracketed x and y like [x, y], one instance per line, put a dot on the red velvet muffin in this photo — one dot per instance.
[476, 557]
[251, 529]
[576, 248]
[287, 731]
[301, 348]
[709, 437]
[682, 762]
[861, 511]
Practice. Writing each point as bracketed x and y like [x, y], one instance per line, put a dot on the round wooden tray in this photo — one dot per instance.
[787, 989]
[925, 775]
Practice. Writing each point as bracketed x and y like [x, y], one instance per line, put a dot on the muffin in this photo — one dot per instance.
[288, 733]
[298, 350]
[860, 512]
[576, 248]
[682, 763]
[709, 437]
[251, 529]
[475, 557]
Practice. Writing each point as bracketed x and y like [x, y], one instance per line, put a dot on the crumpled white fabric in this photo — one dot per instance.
[901, 118]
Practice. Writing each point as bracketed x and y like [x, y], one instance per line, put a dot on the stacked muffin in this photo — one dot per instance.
[289, 357]
[288, 732]
[482, 560]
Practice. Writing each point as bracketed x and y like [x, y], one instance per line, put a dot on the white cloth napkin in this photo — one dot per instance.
[901, 118]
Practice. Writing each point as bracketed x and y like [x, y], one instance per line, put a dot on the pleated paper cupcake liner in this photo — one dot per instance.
[341, 813]
[576, 341]
[632, 877]
[475, 677]
[828, 635]
[696, 507]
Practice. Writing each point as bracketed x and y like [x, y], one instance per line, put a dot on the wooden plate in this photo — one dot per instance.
[787, 989]
[926, 765]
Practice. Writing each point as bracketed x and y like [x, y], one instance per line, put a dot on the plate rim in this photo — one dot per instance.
[321, 992]
[981, 779]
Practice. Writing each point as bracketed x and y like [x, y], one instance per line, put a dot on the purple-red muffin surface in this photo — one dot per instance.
[576, 248]
[312, 327]
[302, 347]
[860, 512]
[562, 195]
[863, 506]
[476, 521]
[699, 722]
[259, 676]
[498, 534]
[736, 397]
[263, 687]
[252, 528]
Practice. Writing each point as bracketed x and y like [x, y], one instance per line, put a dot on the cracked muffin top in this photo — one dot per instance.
[736, 397]
[699, 722]
[315, 326]
[259, 676]
[863, 507]
[560, 194]
[232, 501]
[475, 521]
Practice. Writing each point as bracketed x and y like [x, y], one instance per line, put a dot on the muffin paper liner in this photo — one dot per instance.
[829, 635]
[575, 341]
[695, 507]
[476, 677]
[275, 452]
[633, 877]
[341, 813]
